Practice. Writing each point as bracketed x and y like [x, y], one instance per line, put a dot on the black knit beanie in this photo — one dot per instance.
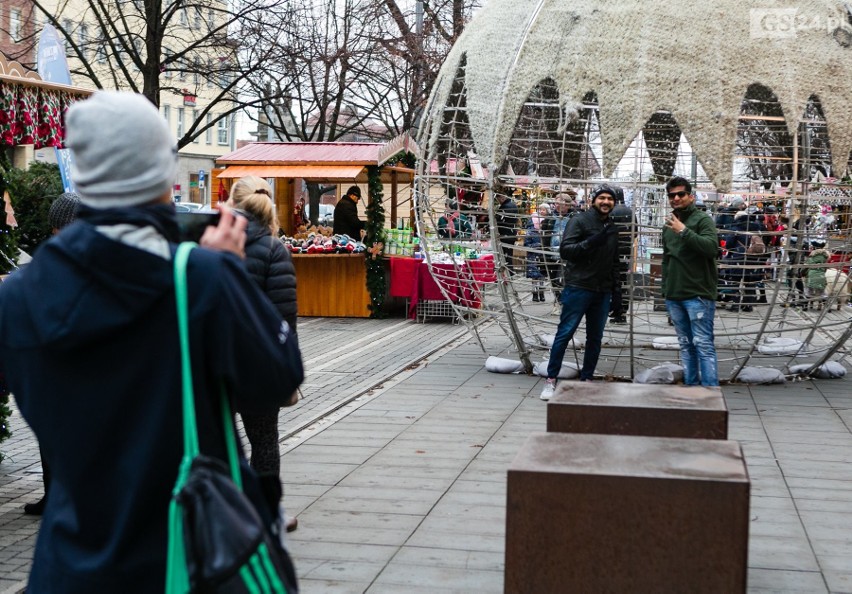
[606, 189]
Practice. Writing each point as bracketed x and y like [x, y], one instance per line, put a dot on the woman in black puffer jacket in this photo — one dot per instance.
[270, 265]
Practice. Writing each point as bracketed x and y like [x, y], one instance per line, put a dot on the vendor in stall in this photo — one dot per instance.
[454, 224]
[346, 221]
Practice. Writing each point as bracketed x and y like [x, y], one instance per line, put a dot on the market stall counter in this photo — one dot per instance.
[332, 285]
[412, 279]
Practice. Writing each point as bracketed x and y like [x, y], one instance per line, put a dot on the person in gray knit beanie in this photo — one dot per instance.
[63, 211]
[124, 153]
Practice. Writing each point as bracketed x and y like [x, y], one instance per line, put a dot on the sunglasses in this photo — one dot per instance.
[680, 194]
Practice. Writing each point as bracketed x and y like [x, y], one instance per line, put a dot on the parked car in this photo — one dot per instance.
[326, 214]
[188, 206]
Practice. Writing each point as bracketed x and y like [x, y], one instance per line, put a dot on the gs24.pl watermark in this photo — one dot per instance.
[787, 23]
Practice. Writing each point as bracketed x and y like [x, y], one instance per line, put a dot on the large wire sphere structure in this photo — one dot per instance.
[540, 101]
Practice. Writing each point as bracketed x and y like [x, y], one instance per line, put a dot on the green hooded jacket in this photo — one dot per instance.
[816, 273]
[689, 260]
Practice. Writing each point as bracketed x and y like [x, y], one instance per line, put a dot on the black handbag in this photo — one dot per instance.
[218, 541]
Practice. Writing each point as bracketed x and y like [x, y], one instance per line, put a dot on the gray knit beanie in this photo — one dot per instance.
[124, 153]
[63, 211]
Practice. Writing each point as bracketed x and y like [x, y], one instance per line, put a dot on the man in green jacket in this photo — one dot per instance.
[690, 282]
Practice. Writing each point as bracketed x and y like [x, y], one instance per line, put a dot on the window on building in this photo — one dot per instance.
[15, 25]
[67, 27]
[100, 51]
[209, 73]
[195, 140]
[167, 115]
[167, 54]
[208, 134]
[197, 18]
[182, 71]
[222, 131]
[180, 111]
[184, 20]
[196, 69]
[211, 19]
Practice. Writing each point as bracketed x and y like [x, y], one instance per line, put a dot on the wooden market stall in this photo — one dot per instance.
[332, 285]
[31, 111]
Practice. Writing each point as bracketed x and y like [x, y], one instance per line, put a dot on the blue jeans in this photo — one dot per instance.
[693, 322]
[575, 304]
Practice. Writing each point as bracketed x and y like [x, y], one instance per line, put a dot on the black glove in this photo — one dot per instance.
[601, 237]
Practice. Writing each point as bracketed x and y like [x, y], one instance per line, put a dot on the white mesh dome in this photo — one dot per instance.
[540, 101]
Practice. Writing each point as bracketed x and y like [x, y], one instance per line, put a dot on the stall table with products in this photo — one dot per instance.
[462, 282]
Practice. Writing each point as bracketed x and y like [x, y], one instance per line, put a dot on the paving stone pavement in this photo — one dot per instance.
[342, 361]
[401, 486]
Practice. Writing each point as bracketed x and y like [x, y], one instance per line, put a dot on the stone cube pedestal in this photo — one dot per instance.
[617, 408]
[613, 513]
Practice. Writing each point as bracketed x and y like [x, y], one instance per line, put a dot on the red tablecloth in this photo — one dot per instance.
[411, 278]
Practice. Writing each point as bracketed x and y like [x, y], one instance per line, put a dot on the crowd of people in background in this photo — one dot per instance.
[755, 239]
[753, 242]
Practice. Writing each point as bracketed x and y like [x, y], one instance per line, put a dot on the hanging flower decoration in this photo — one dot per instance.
[29, 115]
[27, 99]
[49, 129]
[8, 114]
[376, 250]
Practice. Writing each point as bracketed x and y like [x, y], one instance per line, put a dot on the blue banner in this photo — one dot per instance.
[64, 159]
[51, 63]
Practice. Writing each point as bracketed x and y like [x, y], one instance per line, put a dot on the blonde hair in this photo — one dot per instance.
[254, 195]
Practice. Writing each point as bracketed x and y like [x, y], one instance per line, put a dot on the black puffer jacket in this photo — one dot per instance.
[593, 268]
[269, 264]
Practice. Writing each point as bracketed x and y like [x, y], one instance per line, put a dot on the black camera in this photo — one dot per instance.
[193, 224]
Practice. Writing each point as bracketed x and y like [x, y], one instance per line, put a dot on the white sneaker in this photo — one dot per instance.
[548, 389]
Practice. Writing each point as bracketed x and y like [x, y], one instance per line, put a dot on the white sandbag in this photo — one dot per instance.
[665, 373]
[666, 343]
[760, 375]
[828, 370]
[568, 370]
[500, 365]
[654, 375]
[780, 345]
[539, 341]
[547, 340]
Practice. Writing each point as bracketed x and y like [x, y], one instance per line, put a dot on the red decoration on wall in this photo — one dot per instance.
[30, 115]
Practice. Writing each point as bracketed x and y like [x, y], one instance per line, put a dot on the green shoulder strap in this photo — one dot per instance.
[177, 577]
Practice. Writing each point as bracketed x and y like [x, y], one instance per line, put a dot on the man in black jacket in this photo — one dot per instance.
[346, 221]
[622, 215]
[590, 248]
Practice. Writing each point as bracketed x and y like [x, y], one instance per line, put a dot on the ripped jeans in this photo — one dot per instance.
[693, 322]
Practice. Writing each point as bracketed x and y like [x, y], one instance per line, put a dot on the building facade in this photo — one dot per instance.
[16, 27]
[192, 71]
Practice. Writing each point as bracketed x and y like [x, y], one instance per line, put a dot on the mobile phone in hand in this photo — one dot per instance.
[193, 224]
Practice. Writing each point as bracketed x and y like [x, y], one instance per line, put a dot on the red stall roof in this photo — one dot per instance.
[320, 161]
[305, 153]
